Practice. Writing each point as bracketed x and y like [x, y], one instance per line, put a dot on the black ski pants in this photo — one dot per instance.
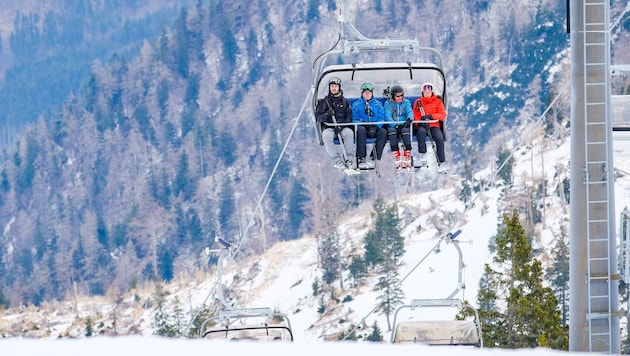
[371, 131]
[436, 135]
[394, 132]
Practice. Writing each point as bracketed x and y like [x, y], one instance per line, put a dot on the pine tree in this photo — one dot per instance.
[530, 316]
[376, 334]
[297, 211]
[505, 161]
[558, 275]
[386, 233]
[329, 251]
[4, 302]
[161, 321]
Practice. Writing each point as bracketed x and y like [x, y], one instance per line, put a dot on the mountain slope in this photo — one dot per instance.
[160, 153]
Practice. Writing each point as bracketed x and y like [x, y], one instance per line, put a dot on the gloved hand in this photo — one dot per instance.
[426, 118]
[407, 123]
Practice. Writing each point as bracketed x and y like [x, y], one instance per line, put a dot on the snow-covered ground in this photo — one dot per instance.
[155, 346]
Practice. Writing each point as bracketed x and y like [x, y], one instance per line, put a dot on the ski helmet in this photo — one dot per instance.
[367, 86]
[397, 89]
[427, 86]
[334, 80]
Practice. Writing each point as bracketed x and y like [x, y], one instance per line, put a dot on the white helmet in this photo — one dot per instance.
[428, 85]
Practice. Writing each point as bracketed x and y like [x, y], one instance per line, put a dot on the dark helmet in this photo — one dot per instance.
[397, 89]
[334, 80]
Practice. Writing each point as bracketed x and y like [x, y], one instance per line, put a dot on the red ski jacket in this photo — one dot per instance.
[431, 106]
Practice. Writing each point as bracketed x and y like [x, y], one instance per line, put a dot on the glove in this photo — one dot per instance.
[407, 123]
[426, 118]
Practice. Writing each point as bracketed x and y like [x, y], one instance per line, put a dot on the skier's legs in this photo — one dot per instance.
[348, 141]
[405, 133]
[328, 136]
[392, 135]
[421, 136]
[381, 140]
[438, 138]
[361, 138]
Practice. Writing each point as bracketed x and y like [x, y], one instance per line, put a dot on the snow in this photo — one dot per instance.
[156, 346]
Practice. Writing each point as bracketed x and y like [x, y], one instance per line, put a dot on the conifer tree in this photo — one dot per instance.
[329, 250]
[386, 234]
[161, 322]
[376, 334]
[529, 316]
[558, 276]
[505, 161]
[4, 302]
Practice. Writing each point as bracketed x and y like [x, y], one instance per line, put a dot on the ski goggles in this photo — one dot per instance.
[367, 86]
[427, 87]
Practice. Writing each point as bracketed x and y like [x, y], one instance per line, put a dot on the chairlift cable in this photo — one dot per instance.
[258, 208]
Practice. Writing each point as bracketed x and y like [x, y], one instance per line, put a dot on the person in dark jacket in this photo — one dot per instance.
[331, 111]
[366, 110]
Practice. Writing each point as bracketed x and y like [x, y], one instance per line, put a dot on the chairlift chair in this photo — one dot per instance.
[260, 324]
[381, 62]
[621, 125]
[439, 331]
[254, 324]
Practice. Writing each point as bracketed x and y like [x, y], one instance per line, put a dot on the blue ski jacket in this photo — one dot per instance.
[368, 111]
[398, 113]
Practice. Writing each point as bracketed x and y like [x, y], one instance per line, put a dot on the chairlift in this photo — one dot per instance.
[254, 324]
[432, 331]
[621, 125]
[381, 62]
[620, 116]
[437, 332]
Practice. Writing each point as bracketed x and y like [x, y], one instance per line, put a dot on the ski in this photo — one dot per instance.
[351, 171]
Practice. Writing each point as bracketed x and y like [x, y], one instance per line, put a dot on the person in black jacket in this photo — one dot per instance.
[330, 111]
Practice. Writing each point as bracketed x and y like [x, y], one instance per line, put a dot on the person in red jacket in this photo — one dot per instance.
[429, 107]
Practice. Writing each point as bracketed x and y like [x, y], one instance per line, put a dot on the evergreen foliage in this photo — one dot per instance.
[4, 302]
[558, 276]
[505, 162]
[516, 310]
[162, 319]
[297, 209]
[227, 205]
[329, 250]
[358, 269]
[376, 334]
[386, 234]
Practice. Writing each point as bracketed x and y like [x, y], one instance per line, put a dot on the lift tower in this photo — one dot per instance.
[594, 303]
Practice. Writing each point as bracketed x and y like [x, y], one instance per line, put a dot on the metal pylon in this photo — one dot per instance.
[599, 209]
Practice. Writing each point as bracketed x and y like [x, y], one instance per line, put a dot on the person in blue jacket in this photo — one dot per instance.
[365, 110]
[398, 111]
